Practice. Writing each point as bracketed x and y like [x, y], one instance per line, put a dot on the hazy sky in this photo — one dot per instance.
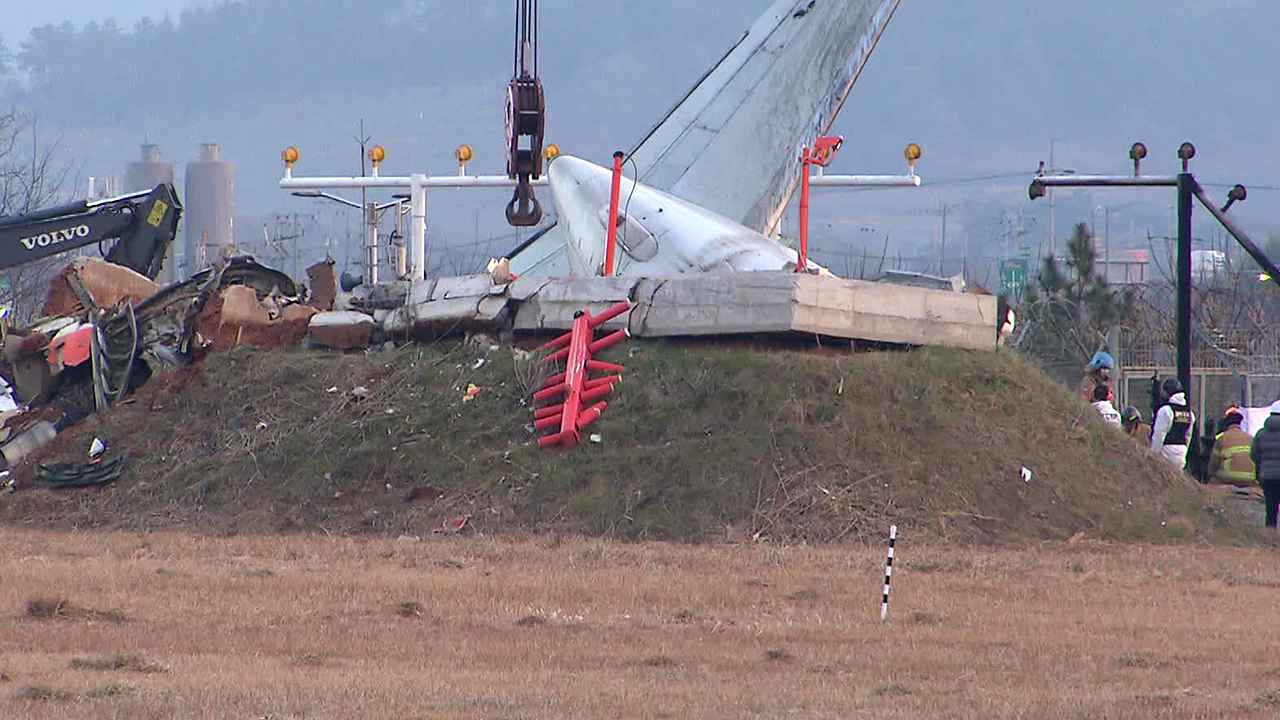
[20, 16]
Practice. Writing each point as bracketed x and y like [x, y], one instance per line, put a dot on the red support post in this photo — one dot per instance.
[611, 229]
[802, 259]
[824, 151]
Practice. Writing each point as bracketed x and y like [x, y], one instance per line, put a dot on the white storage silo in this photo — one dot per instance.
[209, 203]
[144, 175]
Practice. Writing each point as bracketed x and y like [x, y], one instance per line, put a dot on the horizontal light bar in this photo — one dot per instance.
[405, 181]
[864, 181]
[1115, 180]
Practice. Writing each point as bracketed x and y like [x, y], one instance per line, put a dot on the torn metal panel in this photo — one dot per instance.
[420, 291]
[70, 347]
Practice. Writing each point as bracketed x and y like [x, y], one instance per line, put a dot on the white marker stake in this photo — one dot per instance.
[888, 573]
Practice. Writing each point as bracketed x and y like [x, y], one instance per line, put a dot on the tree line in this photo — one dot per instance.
[204, 55]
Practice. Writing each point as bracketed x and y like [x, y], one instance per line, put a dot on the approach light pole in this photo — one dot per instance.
[1187, 187]
[370, 211]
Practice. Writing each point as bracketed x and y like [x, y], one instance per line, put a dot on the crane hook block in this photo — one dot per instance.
[524, 210]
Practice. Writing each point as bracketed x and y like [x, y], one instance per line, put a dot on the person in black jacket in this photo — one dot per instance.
[1265, 452]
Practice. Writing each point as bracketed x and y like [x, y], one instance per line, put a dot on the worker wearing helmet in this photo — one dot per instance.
[1229, 463]
[1097, 373]
[1171, 433]
[1134, 427]
[1265, 453]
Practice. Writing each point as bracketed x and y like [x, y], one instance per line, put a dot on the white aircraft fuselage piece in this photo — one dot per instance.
[774, 92]
[657, 233]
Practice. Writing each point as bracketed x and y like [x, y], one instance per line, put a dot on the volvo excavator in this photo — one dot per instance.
[142, 224]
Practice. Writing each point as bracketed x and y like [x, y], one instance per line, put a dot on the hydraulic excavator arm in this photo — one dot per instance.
[526, 119]
[143, 224]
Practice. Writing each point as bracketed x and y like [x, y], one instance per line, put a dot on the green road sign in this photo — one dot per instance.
[1013, 278]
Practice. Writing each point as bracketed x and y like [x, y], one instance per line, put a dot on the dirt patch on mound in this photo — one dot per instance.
[224, 336]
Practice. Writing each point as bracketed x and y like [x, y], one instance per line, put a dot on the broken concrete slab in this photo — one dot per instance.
[526, 286]
[477, 286]
[759, 302]
[709, 304]
[714, 304]
[894, 313]
[553, 306]
[341, 330]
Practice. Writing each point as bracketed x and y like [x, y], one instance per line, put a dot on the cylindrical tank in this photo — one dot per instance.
[209, 203]
[140, 176]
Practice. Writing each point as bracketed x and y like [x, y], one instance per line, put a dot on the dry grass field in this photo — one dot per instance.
[116, 625]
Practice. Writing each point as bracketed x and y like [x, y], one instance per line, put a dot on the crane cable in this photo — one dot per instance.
[525, 60]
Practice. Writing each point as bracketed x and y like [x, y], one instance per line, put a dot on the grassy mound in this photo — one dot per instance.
[700, 442]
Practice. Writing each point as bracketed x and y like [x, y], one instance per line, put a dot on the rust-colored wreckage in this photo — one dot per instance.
[106, 330]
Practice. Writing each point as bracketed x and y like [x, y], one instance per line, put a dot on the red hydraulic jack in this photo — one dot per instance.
[576, 348]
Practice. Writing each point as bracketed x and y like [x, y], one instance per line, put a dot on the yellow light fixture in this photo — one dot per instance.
[463, 154]
[912, 153]
[377, 154]
[551, 152]
[289, 155]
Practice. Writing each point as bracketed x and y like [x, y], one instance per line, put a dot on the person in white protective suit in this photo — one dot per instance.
[1171, 433]
[1103, 405]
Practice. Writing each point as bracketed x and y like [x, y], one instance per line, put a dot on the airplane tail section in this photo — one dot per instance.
[732, 144]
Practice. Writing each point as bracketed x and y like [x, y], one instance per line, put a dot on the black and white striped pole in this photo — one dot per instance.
[888, 573]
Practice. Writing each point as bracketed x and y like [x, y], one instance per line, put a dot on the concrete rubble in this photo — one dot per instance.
[690, 305]
[341, 329]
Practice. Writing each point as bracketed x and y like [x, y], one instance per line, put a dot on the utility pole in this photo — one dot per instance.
[1052, 169]
[942, 254]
